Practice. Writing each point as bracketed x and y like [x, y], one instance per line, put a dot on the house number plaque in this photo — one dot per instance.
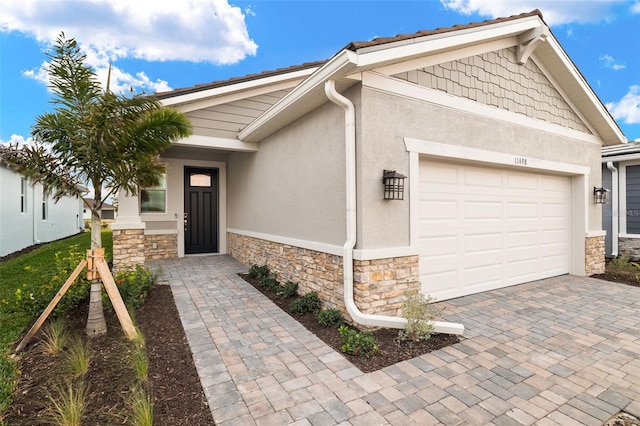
[520, 161]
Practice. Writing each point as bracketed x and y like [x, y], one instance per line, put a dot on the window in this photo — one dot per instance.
[154, 199]
[44, 205]
[23, 195]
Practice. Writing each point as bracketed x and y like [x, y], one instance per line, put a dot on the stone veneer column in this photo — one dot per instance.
[128, 233]
[594, 255]
[128, 248]
[380, 285]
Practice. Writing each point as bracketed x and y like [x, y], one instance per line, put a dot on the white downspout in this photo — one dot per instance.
[615, 210]
[347, 259]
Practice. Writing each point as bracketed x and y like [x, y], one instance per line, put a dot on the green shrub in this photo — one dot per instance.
[33, 298]
[256, 271]
[134, 286]
[269, 282]
[420, 313]
[330, 318]
[310, 302]
[289, 289]
[357, 342]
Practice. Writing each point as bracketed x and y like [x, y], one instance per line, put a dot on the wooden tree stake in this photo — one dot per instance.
[43, 317]
[116, 299]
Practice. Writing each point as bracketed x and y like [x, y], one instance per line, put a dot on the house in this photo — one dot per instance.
[621, 215]
[493, 126]
[28, 216]
[108, 210]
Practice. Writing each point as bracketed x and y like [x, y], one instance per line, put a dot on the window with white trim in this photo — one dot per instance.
[44, 205]
[23, 195]
[154, 199]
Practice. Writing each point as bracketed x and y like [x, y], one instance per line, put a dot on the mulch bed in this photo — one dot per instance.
[391, 349]
[177, 393]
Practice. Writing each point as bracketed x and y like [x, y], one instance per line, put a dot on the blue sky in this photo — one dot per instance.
[157, 46]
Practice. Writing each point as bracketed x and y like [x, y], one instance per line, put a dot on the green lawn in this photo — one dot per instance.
[33, 269]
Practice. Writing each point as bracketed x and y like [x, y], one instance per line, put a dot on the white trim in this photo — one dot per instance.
[626, 158]
[445, 41]
[450, 56]
[294, 242]
[413, 91]
[591, 234]
[160, 232]
[342, 63]
[337, 250]
[629, 235]
[385, 253]
[211, 142]
[622, 200]
[457, 152]
[127, 225]
[248, 88]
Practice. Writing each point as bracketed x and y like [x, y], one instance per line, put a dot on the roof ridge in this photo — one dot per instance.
[422, 33]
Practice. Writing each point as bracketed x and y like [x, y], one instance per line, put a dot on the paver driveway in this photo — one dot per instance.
[564, 351]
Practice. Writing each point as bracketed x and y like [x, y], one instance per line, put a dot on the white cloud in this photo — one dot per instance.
[628, 108]
[18, 140]
[555, 12]
[635, 7]
[189, 30]
[610, 62]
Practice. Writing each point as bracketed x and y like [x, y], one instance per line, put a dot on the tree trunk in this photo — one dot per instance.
[96, 324]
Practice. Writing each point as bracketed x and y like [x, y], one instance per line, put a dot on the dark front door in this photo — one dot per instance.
[200, 210]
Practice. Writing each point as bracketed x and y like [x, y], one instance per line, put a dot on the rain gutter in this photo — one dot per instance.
[615, 210]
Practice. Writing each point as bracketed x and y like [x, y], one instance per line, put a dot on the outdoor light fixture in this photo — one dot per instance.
[393, 185]
[600, 195]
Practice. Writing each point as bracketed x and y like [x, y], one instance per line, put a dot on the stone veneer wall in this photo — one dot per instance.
[379, 285]
[594, 255]
[629, 247]
[166, 246]
[128, 248]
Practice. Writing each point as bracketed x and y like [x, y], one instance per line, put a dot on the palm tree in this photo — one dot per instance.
[96, 138]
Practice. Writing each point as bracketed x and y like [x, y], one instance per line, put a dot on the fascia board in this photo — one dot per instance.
[238, 87]
[621, 158]
[584, 86]
[340, 65]
[236, 96]
[445, 41]
[210, 142]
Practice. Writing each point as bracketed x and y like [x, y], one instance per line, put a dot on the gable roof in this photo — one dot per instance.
[356, 57]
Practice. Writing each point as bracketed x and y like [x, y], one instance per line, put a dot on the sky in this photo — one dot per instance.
[160, 45]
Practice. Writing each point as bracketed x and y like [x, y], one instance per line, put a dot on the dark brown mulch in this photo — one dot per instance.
[391, 349]
[623, 277]
[177, 394]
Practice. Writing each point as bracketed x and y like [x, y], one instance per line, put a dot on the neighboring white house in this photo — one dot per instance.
[29, 217]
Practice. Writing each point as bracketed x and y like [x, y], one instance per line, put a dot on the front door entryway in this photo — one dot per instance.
[200, 210]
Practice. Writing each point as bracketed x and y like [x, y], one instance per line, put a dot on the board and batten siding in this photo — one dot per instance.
[496, 79]
[226, 120]
[633, 200]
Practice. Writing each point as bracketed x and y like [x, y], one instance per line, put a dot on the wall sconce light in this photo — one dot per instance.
[393, 185]
[600, 195]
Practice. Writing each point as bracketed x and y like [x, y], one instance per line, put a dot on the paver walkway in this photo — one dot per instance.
[562, 351]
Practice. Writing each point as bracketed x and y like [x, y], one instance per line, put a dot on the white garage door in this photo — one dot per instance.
[483, 228]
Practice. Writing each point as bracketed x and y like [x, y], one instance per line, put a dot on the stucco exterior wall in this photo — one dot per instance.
[23, 229]
[386, 119]
[294, 186]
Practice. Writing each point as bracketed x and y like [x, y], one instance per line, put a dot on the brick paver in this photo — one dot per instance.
[564, 350]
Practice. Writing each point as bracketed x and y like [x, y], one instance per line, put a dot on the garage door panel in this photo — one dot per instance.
[487, 228]
[483, 242]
